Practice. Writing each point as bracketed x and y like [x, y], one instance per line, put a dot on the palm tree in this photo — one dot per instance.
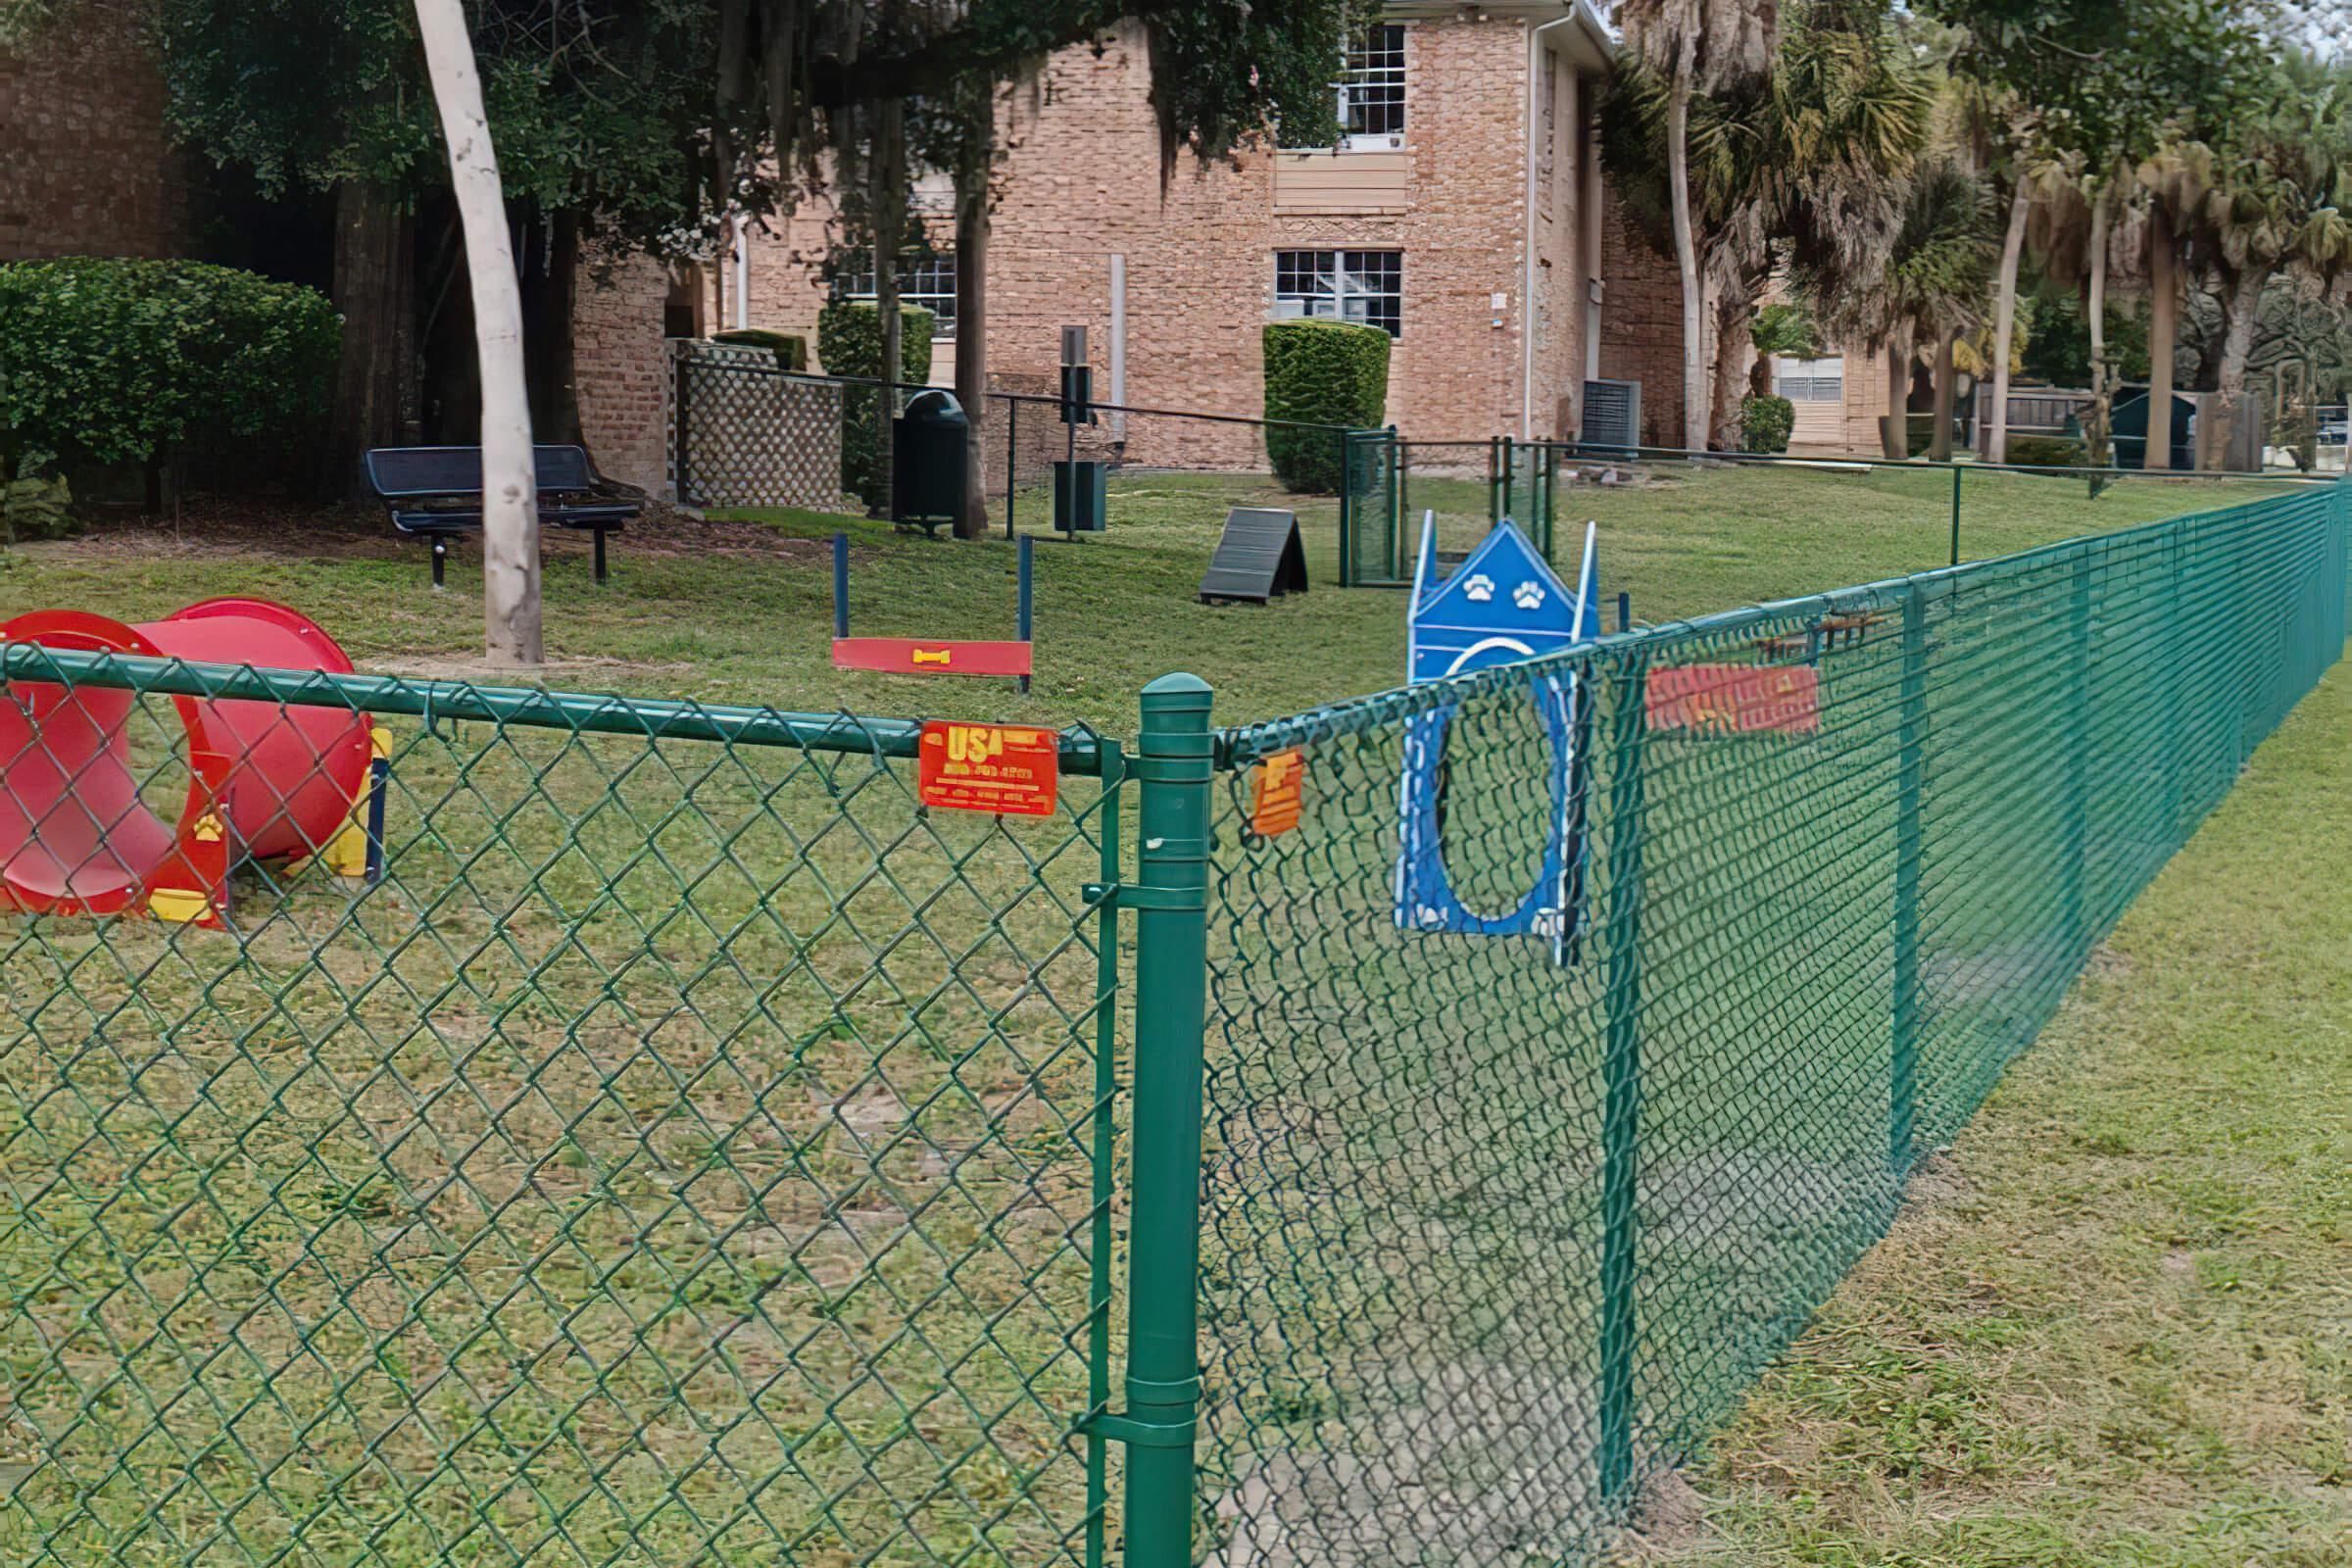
[1927, 284]
[2276, 198]
[1815, 149]
[1695, 46]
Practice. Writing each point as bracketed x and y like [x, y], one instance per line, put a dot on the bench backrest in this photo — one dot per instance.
[416, 473]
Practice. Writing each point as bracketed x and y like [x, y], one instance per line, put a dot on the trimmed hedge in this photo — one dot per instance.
[790, 348]
[2046, 451]
[115, 361]
[848, 342]
[1766, 423]
[1322, 373]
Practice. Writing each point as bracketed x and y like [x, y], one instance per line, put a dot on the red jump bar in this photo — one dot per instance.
[914, 655]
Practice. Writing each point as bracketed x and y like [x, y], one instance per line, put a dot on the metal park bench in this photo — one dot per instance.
[435, 493]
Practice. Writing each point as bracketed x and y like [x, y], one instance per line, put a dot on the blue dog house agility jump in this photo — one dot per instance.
[1503, 604]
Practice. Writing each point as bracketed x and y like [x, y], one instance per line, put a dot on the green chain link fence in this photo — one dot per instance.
[690, 1149]
[1499, 1227]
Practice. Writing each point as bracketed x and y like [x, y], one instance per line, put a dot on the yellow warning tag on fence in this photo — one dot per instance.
[1281, 790]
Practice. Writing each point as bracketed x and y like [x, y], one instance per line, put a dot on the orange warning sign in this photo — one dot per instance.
[1281, 787]
[1010, 770]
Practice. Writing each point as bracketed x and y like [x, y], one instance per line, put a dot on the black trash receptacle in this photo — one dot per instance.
[927, 457]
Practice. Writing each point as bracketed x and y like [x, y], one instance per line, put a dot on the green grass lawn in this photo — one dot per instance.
[2116, 1328]
[742, 612]
[689, 1152]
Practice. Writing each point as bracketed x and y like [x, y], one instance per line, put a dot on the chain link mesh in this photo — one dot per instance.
[1500, 1226]
[688, 1150]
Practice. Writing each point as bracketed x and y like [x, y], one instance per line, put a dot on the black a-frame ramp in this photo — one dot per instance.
[1259, 557]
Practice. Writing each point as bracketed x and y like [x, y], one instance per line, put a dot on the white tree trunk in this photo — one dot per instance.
[1686, 255]
[2163, 325]
[2004, 324]
[510, 479]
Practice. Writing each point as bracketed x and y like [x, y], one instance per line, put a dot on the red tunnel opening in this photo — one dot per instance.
[264, 780]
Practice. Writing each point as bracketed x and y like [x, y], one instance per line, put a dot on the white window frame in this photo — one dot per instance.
[1345, 286]
[914, 271]
[1821, 380]
[1372, 73]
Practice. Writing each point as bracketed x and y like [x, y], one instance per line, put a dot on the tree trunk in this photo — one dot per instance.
[510, 481]
[2099, 445]
[548, 333]
[2218, 427]
[2165, 291]
[375, 286]
[2005, 323]
[1686, 252]
[1940, 444]
[1894, 430]
[971, 307]
[1735, 346]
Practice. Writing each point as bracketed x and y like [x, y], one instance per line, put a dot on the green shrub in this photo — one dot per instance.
[1766, 423]
[849, 341]
[2044, 451]
[116, 362]
[790, 348]
[1321, 372]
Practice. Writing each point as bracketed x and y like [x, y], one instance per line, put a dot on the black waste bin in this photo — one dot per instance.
[927, 461]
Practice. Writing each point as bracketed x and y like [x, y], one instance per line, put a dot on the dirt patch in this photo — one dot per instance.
[1938, 1179]
[1475, 1463]
[1670, 1518]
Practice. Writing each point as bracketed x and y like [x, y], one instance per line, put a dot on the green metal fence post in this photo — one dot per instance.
[2073, 819]
[1399, 456]
[1903, 1078]
[1170, 898]
[1347, 511]
[1956, 472]
[1621, 1095]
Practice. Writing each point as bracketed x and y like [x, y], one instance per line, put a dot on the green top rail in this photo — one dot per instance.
[578, 712]
[1600, 449]
[1241, 745]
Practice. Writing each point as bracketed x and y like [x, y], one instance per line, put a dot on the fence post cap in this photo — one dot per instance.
[1163, 692]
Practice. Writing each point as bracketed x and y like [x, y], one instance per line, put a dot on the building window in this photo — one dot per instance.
[1809, 380]
[925, 281]
[1365, 286]
[1372, 84]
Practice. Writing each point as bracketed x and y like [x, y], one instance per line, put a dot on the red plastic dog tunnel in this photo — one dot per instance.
[266, 781]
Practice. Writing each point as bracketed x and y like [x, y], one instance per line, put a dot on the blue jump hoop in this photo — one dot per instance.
[1471, 620]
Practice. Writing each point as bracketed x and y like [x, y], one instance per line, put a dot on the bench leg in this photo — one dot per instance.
[600, 555]
[440, 555]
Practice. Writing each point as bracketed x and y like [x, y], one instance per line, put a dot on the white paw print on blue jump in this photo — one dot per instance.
[1529, 595]
[1479, 589]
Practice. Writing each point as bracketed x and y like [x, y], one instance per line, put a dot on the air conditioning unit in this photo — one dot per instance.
[1290, 309]
[1612, 415]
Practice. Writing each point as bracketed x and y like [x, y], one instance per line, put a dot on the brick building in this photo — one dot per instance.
[84, 169]
[1463, 211]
